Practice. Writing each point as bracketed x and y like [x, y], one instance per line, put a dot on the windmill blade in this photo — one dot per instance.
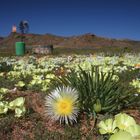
[25, 25]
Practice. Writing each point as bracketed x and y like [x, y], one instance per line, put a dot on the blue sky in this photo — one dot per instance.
[108, 18]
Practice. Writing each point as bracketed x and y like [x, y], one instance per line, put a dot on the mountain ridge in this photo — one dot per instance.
[87, 40]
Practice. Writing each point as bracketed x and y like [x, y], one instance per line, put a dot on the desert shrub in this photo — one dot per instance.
[4, 67]
[98, 92]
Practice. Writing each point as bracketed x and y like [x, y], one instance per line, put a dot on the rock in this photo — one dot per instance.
[43, 49]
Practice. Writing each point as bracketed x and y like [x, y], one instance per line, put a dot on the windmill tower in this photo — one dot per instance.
[14, 29]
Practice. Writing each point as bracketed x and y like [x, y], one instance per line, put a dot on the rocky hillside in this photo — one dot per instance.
[1, 38]
[81, 41]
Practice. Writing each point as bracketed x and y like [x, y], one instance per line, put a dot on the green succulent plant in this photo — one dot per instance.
[18, 106]
[20, 111]
[134, 130]
[123, 121]
[2, 92]
[121, 135]
[20, 84]
[98, 91]
[3, 107]
[107, 127]
[18, 102]
[123, 126]
[136, 84]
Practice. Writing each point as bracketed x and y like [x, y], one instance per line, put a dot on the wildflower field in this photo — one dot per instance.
[77, 97]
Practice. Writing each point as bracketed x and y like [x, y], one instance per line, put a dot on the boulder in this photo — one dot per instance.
[43, 49]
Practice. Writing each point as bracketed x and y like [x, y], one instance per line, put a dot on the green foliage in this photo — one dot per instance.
[136, 84]
[123, 121]
[122, 127]
[121, 135]
[134, 130]
[3, 91]
[20, 84]
[107, 126]
[3, 107]
[16, 105]
[98, 91]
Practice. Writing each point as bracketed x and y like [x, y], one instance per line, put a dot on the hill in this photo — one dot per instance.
[1, 38]
[89, 41]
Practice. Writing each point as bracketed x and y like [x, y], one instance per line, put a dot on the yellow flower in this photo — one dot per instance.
[62, 105]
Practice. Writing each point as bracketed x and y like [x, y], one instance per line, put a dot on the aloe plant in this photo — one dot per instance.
[99, 92]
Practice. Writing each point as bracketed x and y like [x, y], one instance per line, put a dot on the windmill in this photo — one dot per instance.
[23, 28]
